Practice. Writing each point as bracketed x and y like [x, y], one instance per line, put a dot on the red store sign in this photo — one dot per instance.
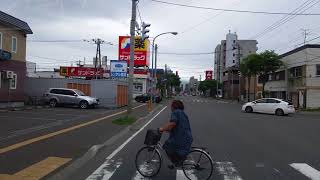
[81, 71]
[209, 75]
[141, 51]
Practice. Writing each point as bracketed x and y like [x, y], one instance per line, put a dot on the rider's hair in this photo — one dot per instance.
[177, 104]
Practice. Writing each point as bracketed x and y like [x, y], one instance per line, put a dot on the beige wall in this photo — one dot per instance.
[7, 33]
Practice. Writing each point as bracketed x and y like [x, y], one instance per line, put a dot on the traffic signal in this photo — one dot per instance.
[145, 31]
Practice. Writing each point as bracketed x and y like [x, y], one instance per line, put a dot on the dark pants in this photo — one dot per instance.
[174, 157]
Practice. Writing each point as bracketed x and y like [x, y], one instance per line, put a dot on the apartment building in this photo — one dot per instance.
[299, 79]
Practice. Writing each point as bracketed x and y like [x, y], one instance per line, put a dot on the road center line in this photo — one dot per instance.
[36, 139]
[307, 170]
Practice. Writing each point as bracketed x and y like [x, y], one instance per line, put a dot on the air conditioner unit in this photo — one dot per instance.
[9, 74]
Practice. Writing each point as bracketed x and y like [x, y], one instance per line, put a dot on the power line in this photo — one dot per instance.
[186, 54]
[55, 41]
[308, 40]
[286, 18]
[139, 13]
[233, 10]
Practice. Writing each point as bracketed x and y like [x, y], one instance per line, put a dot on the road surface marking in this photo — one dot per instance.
[38, 170]
[105, 171]
[181, 176]
[228, 171]
[126, 142]
[307, 170]
[138, 176]
[40, 138]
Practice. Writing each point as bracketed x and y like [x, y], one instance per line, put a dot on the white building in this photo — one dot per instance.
[231, 49]
[31, 71]
[299, 80]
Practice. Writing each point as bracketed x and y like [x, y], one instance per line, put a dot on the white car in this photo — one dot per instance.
[270, 106]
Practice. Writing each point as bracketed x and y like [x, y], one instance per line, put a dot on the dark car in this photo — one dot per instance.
[146, 97]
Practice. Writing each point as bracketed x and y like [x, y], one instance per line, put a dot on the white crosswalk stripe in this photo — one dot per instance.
[106, 170]
[307, 170]
[228, 171]
[225, 170]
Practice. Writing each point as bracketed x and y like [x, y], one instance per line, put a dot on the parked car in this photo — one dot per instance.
[146, 97]
[270, 106]
[64, 96]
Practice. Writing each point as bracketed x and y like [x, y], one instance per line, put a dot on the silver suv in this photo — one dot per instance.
[55, 96]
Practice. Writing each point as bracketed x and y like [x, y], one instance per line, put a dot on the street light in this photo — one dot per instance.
[152, 53]
[154, 69]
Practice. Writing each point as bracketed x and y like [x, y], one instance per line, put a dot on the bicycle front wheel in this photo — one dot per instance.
[198, 165]
[148, 161]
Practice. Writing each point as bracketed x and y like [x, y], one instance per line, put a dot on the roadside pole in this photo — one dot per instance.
[130, 77]
[155, 66]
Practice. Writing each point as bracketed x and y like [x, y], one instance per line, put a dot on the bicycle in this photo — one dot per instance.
[149, 160]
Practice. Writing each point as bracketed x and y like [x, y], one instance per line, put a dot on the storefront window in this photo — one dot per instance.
[13, 82]
[138, 87]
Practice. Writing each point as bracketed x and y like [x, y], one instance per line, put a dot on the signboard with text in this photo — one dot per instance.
[81, 71]
[209, 75]
[141, 50]
[118, 68]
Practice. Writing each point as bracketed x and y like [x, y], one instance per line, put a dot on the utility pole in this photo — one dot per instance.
[131, 64]
[305, 34]
[239, 72]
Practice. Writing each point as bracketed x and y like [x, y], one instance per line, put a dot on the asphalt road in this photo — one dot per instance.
[35, 143]
[243, 146]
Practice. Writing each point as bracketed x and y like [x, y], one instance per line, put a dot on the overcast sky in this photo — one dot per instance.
[199, 30]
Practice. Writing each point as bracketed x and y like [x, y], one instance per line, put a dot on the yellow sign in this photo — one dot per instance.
[139, 45]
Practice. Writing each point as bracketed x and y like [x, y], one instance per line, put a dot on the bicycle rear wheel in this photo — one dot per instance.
[148, 161]
[198, 165]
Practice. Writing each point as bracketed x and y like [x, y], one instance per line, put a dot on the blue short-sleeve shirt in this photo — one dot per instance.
[180, 138]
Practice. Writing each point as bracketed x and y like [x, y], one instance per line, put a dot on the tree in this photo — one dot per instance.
[261, 64]
[209, 85]
[168, 81]
[249, 67]
[270, 62]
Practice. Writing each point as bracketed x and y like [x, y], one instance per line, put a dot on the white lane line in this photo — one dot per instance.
[228, 171]
[126, 142]
[307, 170]
[181, 176]
[106, 170]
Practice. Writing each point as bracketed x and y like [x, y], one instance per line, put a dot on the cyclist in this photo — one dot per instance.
[178, 145]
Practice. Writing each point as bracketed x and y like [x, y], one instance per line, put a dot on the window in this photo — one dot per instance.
[13, 82]
[68, 92]
[272, 101]
[233, 54]
[261, 101]
[14, 44]
[296, 71]
[318, 69]
[137, 87]
[0, 40]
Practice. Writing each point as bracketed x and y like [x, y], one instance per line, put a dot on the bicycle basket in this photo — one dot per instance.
[152, 137]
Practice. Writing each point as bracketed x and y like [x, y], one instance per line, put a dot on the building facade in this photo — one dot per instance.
[228, 56]
[13, 35]
[299, 79]
[193, 85]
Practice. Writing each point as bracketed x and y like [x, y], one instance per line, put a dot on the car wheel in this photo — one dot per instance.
[83, 104]
[249, 109]
[53, 103]
[279, 112]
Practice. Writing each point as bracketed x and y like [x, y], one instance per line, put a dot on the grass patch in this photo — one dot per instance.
[312, 110]
[126, 120]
